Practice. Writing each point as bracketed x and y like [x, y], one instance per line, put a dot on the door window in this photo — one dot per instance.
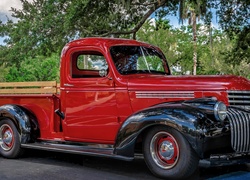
[88, 65]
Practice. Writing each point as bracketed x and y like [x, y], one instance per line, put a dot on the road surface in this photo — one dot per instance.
[43, 165]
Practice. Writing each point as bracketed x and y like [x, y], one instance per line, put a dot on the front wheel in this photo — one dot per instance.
[168, 154]
[10, 146]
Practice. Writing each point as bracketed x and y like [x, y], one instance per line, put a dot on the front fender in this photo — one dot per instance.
[20, 117]
[186, 120]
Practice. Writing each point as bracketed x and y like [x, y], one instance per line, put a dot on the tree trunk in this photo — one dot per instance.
[134, 35]
[211, 43]
[194, 42]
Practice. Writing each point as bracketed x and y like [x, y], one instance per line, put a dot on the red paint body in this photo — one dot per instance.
[95, 108]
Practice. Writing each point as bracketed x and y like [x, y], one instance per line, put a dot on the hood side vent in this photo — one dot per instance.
[164, 94]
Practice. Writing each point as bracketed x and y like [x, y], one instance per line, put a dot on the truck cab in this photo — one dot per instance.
[92, 80]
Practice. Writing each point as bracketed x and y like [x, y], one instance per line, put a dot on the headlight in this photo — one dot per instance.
[220, 111]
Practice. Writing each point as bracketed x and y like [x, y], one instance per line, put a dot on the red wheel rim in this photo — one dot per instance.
[6, 137]
[164, 150]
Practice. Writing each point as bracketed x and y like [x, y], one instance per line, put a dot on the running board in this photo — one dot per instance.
[82, 149]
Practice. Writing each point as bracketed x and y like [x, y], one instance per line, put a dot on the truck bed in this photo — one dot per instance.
[40, 98]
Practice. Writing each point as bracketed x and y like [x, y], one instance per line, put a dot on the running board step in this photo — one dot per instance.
[83, 149]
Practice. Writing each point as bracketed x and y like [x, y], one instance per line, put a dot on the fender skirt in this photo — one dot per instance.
[187, 120]
[21, 117]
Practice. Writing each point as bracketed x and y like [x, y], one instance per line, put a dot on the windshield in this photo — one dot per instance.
[138, 59]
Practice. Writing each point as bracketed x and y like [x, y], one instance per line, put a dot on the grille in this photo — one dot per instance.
[239, 99]
[240, 129]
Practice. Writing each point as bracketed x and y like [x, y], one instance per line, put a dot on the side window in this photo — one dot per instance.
[88, 65]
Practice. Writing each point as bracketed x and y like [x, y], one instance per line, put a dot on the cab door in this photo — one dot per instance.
[88, 98]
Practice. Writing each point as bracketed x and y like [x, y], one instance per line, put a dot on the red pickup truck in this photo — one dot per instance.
[118, 98]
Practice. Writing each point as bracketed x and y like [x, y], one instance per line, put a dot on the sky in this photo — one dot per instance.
[5, 6]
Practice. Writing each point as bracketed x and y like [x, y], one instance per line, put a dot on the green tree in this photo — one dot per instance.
[176, 44]
[234, 20]
[38, 31]
[240, 52]
[45, 26]
[233, 14]
[192, 10]
[4, 71]
[39, 68]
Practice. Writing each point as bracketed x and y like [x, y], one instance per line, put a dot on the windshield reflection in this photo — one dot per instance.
[138, 59]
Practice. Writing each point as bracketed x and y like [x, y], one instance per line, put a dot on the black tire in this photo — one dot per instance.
[168, 154]
[10, 146]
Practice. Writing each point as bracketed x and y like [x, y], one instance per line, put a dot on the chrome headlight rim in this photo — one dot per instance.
[220, 111]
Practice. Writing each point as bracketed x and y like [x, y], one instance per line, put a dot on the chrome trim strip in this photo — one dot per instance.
[239, 99]
[236, 96]
[164, 94]
[234, 91]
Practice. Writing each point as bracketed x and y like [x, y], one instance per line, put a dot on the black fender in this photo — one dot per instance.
[22, 118]
[187, 120]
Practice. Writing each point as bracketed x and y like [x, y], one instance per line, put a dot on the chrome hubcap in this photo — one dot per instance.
[7, 137]
[166, 150]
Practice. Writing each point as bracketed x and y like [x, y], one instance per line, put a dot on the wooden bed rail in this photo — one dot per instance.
[39, 87]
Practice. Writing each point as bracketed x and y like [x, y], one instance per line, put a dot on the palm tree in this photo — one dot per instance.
[192, 10]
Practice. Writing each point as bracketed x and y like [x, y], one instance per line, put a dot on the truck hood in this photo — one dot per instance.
[180, 83]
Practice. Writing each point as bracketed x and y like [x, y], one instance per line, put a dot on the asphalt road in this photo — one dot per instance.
[43, 165]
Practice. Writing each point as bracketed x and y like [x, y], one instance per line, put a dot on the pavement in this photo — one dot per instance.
[43, 165]
[240, 175]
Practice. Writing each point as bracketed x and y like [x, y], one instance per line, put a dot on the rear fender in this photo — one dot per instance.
[22, 119]
[182, 118]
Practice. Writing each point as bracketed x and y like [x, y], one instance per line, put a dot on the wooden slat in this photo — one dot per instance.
[28, 84]
[40, 87]
[58, 88]
[28, 91]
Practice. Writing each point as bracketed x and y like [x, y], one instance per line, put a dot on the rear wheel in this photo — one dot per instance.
[10, 146]
[168, 154]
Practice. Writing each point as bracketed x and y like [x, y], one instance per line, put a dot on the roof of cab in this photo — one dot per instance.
[90, 41]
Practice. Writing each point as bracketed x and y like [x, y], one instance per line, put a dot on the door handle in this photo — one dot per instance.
[68, 85]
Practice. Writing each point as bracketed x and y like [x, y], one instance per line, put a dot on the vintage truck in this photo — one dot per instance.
[117, 98]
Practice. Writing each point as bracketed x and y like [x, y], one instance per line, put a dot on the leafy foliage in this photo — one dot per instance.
[38, 31]
[234, 20]
[193, 10]
[45, 26]
[234, 15]
[241, 49]
[35, 69]
[212, 49]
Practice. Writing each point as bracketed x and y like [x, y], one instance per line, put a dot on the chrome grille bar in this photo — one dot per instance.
[240, 129]
[239, 99]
